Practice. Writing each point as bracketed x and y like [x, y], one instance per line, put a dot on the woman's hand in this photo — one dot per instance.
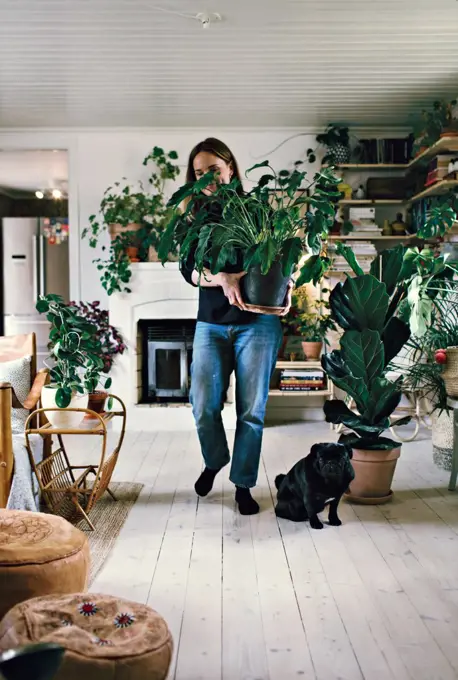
[289, 298]
[230, 283]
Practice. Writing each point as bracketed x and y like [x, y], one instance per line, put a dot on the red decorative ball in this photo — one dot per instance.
[441, 356]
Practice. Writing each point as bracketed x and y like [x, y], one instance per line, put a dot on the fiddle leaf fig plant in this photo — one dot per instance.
[279, 220]
[75, 357]
[372, 337]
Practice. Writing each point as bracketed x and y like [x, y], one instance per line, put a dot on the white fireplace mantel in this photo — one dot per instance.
[158, 292]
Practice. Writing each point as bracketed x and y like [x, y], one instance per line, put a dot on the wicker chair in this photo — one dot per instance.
[16, 347]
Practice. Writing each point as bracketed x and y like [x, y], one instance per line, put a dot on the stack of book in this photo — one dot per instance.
[365, 252]
[302, 380]
[438, 168]
[363, 221]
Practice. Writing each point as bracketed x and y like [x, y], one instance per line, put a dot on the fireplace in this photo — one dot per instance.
[166, 360]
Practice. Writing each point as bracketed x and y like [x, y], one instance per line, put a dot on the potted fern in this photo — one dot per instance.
[273, 226]
[75, 362]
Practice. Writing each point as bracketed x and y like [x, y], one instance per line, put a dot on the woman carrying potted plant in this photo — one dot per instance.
[228, 338]
[240, 247]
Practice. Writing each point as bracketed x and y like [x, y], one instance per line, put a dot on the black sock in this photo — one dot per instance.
[204, 484]
[245, 501]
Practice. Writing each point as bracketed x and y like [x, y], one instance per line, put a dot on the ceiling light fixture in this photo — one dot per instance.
[39, 194]
[205, 18]
[56, 193]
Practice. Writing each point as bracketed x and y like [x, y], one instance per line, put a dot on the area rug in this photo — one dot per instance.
[108, 517]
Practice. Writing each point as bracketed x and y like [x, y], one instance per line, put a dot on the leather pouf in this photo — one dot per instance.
[39, 555]
[105, 638]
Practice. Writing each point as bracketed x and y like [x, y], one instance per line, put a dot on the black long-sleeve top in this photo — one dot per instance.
[214, 307]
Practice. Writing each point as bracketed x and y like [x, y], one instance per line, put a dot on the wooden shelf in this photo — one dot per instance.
[285, 365]
[436, 189]
[354, 237]
[370, 202]
[298, 393]
[372, 166]
[444, 145]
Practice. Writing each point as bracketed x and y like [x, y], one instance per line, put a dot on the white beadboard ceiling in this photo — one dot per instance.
[268, 63]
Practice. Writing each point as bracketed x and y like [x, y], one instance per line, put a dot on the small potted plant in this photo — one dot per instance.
[111, 344]
[271, 226]
[314, 328]
[76, 364]
[336, 140]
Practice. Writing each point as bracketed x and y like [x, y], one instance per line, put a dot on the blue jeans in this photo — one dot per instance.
[250, 350]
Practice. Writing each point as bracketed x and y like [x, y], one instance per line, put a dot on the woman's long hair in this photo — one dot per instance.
[217, 148]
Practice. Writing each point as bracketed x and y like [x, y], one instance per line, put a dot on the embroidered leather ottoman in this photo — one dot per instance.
[105, 638]
[39, 555]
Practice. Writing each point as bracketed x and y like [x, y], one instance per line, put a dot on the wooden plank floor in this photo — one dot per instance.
[261, 599]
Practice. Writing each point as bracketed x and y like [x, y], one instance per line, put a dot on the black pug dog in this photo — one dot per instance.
[314, 482]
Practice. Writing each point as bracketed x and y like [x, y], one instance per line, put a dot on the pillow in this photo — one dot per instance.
[17, 372]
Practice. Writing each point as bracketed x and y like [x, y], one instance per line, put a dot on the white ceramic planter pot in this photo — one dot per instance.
[63, 418]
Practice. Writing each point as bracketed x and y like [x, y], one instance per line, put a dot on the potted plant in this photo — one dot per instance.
[76, 362]
[372, 336]
[135, 219]
[111, 344]
[314, 328]
[336, 140]
[290, 322]
[436, 123]
[271, 226]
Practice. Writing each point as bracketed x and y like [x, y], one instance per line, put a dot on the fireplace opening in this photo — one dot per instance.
[165, 347]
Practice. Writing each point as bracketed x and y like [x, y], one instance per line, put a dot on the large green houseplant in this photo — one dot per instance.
[372, 336]
[75, 360]
[135, 217]
[271, 227]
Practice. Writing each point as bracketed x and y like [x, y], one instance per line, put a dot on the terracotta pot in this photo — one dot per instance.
[96, 403]
[312, 350]
[115, 229]
[450, 374]
[153, 257]
[374, 471]
[132, 252]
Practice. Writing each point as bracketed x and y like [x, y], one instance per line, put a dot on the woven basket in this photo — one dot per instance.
[442, 439]
[450, 375]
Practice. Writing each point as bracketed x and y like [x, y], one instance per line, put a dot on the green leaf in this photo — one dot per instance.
[363, 354]
[313, 269]
[63, 397]
[338, 413]
[108, 383]
[346, 252]
[264, 164]
[42, 306]
[394, 337]
[359, 303]
[110, 403]
[292, 253]
[342, 378]
[369, 443]
[390, 263]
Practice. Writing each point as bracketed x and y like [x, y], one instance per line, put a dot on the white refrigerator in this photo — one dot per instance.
[35, 262]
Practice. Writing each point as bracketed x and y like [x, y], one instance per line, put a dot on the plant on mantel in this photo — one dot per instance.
[136, 217]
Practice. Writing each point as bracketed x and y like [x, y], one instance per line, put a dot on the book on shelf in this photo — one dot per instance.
[393, 151]
[302, 380]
